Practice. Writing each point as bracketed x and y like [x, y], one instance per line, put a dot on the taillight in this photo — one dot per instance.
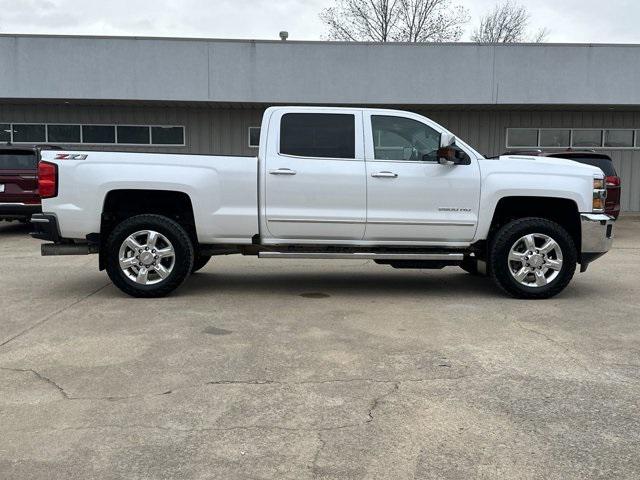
[613, 181]
[47, 179]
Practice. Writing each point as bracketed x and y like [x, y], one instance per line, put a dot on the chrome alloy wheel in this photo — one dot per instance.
[147, 257]
[535, 260]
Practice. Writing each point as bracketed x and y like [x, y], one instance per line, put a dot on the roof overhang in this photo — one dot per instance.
[201, 71]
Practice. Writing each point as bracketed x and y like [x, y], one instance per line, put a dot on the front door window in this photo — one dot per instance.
[404, 139]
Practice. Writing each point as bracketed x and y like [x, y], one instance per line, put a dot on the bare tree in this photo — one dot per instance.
[395, 20]
[507, 23]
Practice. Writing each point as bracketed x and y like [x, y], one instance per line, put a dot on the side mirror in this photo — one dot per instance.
[447, 156]
[447, 140]
[453, 156]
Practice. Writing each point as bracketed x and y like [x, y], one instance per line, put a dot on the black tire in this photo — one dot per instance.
[183, 248]
[505, 239]
[200, 262]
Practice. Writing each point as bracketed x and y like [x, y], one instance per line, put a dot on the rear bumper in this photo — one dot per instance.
[18, 211]
[45, 227]
[597, 237]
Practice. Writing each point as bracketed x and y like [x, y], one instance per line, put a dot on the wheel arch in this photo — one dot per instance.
[563, 211]
[122, 204]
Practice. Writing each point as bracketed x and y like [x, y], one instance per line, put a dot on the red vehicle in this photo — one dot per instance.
[19, 198]
[600, 160]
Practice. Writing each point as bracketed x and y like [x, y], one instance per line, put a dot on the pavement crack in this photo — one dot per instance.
[203, 429]
[254, 382]
[555, 342]
[316, 456]
[41, 377]
[53, 315]
[244, 382]
[379, 400]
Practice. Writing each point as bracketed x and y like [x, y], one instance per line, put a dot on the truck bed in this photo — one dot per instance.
[222, 189]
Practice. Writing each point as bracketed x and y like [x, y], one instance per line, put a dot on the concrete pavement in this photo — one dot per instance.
[310, 369]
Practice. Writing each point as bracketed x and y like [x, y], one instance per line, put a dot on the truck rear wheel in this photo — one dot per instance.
[149, 256]
[533, 258]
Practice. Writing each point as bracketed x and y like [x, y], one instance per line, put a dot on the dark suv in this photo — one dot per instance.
[19, 198]
[589, 157]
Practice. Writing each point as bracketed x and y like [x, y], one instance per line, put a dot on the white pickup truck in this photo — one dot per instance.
[328, 183]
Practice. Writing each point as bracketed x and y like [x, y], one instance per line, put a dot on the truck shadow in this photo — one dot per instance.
[448, 283]
[7, 228]
[322, 285]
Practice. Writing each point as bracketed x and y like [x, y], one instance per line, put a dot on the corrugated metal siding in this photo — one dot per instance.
[208, 130]
[214, 130]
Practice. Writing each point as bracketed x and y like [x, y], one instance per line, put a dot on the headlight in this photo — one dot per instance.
[599, 195]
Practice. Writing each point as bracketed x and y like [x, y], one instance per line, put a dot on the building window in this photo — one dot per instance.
[63, 134]
[134, 135]
[553, 138]
[522, 137]
[254, 137]
[99, 134]
[587, 138]
[618, 138]
[318, 135]
[5, 132]
[167, 135]
[577, 138]
[29, 133]
[69, 134]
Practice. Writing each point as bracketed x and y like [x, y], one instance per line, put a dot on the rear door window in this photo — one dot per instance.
[18, 161]
[318, 135]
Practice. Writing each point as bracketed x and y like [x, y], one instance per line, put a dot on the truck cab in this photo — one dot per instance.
[372, 177]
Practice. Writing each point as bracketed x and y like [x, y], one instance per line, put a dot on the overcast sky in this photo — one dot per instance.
[597, 21]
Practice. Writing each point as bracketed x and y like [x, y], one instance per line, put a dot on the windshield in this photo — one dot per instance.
[18, 161]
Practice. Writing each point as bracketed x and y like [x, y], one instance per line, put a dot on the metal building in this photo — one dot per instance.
[207, 96]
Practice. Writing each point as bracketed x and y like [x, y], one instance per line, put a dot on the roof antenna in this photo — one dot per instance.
[284, 36]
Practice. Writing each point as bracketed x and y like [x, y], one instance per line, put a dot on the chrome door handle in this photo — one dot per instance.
[282, 171]
[384, 175]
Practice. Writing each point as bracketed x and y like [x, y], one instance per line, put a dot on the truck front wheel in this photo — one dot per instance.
[533, 258]
[149, 256]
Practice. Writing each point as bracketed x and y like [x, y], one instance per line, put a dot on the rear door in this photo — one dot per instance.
[315, 175]
[18, 177]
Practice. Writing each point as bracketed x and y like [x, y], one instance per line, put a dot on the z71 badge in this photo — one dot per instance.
[71, 156]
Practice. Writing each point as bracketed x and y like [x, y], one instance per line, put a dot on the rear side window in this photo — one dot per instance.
[318, 135]
[18, 161]
[604, 164]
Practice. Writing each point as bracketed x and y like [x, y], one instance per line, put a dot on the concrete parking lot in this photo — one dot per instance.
[296, 370]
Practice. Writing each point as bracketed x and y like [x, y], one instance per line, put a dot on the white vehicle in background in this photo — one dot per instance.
[328, 183]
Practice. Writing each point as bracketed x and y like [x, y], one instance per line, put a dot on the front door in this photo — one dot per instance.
[410, 196]
[315, 176]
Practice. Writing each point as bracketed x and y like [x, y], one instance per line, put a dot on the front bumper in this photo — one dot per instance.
[597, 237]
[18, 211]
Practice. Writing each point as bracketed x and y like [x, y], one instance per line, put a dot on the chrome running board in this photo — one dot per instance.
[440, 257]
